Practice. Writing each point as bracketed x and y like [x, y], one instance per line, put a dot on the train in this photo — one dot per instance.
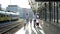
[8, 16]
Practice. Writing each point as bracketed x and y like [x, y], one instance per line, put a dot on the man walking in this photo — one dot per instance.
[27, 20]
[35, 17]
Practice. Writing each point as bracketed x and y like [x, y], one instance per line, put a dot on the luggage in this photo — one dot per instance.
[37, 23]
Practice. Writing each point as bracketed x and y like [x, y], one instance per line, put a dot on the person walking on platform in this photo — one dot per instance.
[27, 19]
[34, 17]
[31, 23]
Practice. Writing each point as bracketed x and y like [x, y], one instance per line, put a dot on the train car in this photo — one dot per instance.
[7, 16]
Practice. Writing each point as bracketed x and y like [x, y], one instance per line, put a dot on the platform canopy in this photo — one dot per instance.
[46, 0]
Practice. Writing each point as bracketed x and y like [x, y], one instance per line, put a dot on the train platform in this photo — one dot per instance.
[29, 30]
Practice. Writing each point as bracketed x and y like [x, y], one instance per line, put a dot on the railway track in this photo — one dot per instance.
[14, 30]
[7, 24]
[6, 27]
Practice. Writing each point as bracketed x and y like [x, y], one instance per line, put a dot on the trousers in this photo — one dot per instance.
[34, 23]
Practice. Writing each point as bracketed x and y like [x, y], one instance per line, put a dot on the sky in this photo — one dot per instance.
[20, 3]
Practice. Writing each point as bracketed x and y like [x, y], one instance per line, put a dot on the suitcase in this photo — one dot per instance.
[37, 23]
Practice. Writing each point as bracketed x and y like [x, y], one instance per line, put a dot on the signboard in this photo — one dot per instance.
[45, 0]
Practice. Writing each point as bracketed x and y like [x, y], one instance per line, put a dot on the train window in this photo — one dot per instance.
[7, 15]
[13, 11]
[1, 15]
[8, 11]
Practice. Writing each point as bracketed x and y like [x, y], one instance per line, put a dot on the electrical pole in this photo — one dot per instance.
[49, 11]
[54, 12]
[57, 12]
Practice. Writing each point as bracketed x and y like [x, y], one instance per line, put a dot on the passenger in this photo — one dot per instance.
[27, 20]
[35, 17]
[31, 23]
